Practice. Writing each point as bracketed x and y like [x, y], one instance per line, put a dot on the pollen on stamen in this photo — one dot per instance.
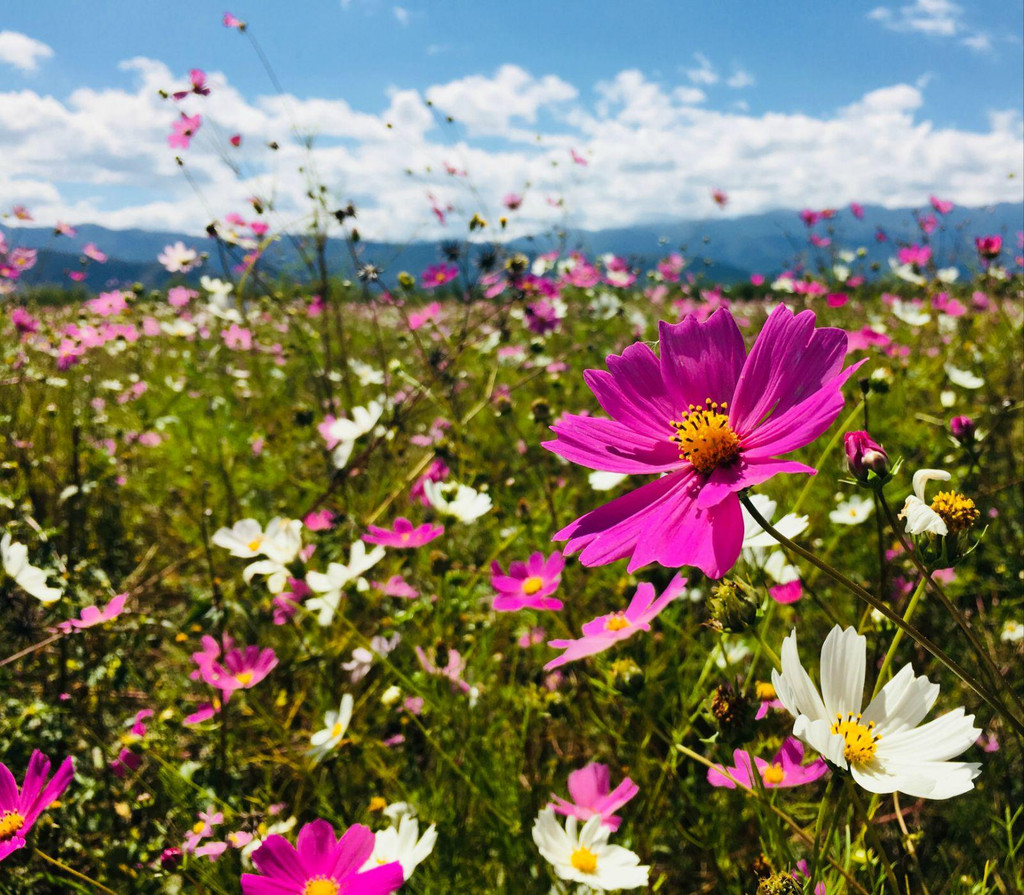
[705, 437]
[859, 740]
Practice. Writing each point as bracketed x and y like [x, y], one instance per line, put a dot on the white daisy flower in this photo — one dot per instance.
[28, 577]
[1013, 631]
[852, 511]
[919, 516]
[585, 856]
[882, 746]
[467, 505]
[347, 430]
[910, 313]
[178, 259]
[243, 539]
[330, 585]
[402, 844]
[325, 741]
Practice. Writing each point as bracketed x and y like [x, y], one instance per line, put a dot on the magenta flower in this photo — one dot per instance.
[403, 534]
[452, 671]
[231, 21]
[989, 247]
[19, 810]
[197, 79]
[784, 770]
[183, 130]
[590, 788]
[94, 615]
[942, 206]
[605, 630]
[712, 417]
[437, 275]
[319, 864]
[242, 669]
[528, 585]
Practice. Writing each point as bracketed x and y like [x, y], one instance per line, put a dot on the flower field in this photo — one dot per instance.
[552, 572]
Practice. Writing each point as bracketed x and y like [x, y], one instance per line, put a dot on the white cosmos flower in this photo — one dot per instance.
[605, 481]
[366, 374]
[1013, 631]
[964, 378]
[910, 313]
[882, 746]
[947, 274]
[178, 259]
[919, 516]
[28, 577]
[329, 585]
[756, 539]
[403, 844]
[243, 539]
[853, 511]
[346, 431]
[325, 741]
[906, 272]
[585, 856]
[467, 505]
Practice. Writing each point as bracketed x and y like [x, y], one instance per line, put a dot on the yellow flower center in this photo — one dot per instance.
[10, 823]
[337, 731]
[198, 826]
[773, 774]
[254, 545]
[532, 584]
[958, 512]
[616, 622]
[243, 677]
[321, 886]
[584, 860]
[378, 804]
[405, 537]
[764, 691]
[860, 739]
[705, 437]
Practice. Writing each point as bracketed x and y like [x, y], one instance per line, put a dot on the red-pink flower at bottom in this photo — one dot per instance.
[19, 810]
[320, 864]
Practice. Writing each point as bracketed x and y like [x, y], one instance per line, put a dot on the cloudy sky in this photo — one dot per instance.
[781, 105]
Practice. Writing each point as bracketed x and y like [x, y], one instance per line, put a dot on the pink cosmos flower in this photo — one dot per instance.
[235, 140]
[915, 254]
[231, 22]
[928, 223]
[90, 251]
[989, 247]
[720, 197]
[528, 585]
[93, 615]
[19, 810]
[453, 670]
[857, 210]
[577, 158]
[319, 520]
[712, 417]
[437, 275]
[242, 669]
[942, 206]
[590, 788]
[784, 770]
[23, 321]
[183, 130]
[606, 630]
[320, 864]
[403, 534]
[810, 217]
[512, 201]
[197, 77]
[21, 213]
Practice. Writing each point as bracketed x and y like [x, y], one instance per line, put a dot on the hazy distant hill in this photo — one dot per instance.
[727, 249]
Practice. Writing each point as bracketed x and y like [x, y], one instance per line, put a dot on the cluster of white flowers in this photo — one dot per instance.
[466, 505]
[281, 544]
[329, 586]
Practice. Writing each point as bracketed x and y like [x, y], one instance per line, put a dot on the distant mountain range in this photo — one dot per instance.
[725, 249]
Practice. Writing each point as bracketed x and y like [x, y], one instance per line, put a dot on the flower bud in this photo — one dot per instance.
[963, 429]
[866, 457]
[733, 606]
[779, 884]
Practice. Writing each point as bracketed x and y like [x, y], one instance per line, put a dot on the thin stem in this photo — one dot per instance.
[885, 610]
[889, 653]
[825, 452]
[85, 879]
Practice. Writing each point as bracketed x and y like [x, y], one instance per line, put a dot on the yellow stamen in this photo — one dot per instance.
[243, 677]
[705, 437]
[10, 823]
[254, 545]
[337, 731]
[860, 739]
[198, 826]
[764, 691]
[532, 584]
[378, 804]
[773, 774]
[616, 622]
[584, 860]
[321, 886]
[958, 512]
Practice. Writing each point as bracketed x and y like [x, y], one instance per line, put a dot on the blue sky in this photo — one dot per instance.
[695, 71]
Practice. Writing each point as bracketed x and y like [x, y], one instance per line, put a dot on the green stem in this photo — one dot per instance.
[71, 870]
[889, 653]
[825, 452]
[885, 610]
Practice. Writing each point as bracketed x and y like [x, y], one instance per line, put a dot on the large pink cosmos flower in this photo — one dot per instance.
[590, 788]
[319, 864]
[708, 418]
[606, 630]
[784, 770]
[19, 810]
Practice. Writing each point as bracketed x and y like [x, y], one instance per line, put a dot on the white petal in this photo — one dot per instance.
[843, 658]
[819, 736]
[877, 778]
[939, 740]
[902, 703]
[794, 685]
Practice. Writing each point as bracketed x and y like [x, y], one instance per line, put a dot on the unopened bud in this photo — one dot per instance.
[733, 606]
[962, 428]
[866, 457]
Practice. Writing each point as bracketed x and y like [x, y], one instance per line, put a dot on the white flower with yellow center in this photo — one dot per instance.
[281, 543]
[852, 511]
[325, 741]
[244, 539]
[28, 577]
[882, 746]
[329, 586]
[584, 856]
[402, 844]
[464, 504]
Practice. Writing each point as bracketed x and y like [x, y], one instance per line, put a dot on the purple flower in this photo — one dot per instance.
[528, 585]
[319, 864]
[605, 630]
[785, 769]
[19, 810]
[712, 417]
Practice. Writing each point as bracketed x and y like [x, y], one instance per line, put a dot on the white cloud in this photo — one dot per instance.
[22, 52]
[401, 15]
[980, 43]
[101, 155]
[935, 18]
[704, 73]
[740, 79]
